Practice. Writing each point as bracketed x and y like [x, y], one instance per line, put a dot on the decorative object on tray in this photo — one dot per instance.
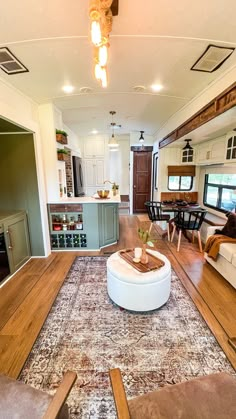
[62, 154]
[103, 194]
[61, 136]
[144, 235]
[137, 254]
[153, 263]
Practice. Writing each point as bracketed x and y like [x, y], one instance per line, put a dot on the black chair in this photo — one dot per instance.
[154, 210]
[188, 220]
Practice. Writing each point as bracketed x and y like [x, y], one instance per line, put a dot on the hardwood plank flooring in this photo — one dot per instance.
[26, 299]
[20, 331]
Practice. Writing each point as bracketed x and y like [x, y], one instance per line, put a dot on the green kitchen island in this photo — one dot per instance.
[85, 223]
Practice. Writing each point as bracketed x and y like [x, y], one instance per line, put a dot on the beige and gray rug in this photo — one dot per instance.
[87, 333]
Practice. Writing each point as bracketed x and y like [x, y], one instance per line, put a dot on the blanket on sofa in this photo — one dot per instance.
[213, 243]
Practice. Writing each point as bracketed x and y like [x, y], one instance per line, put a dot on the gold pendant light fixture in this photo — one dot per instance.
[100, 25]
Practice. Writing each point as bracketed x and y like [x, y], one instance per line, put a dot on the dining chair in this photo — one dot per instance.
[154, 210]
[22, 401]
[208, 397]
[188, 220]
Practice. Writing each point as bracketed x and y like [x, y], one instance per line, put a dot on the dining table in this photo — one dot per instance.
[176, 207]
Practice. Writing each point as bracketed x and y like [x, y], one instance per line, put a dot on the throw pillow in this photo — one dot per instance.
[230, 227]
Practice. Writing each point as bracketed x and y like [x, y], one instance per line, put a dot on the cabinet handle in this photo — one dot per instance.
[9, 240]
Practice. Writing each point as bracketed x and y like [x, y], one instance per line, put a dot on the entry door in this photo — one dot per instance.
[141, 179]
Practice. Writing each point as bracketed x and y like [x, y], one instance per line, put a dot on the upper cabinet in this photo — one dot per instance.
[231, 147]
[187, 156]
[211, 152]
[94, 147]
[203, 153]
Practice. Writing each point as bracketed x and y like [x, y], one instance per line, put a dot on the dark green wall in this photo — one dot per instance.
[18, 183]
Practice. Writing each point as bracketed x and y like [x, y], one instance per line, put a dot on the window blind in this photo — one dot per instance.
[188, 170]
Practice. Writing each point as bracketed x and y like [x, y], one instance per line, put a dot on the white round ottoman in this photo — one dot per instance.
[137, 291]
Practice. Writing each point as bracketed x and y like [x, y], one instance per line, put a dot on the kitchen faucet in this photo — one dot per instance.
[113, 186]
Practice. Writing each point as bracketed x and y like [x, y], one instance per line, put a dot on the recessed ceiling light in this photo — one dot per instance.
[94, 131]
[156, 87]
[68, 89]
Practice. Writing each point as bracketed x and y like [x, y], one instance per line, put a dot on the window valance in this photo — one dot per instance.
[181, 170]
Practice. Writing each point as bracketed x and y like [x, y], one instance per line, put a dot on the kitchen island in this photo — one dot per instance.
[84, 223]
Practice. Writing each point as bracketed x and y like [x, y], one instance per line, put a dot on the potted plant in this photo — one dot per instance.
[145, 237]
[61, 136]
[62, 154]
[115, 188]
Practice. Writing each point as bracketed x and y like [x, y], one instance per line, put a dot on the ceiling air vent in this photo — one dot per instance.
[139, 89]
[85, 90]
[212, 58]
[9, 63]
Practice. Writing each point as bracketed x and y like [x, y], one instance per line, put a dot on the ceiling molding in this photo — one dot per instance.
[148, 36]
[223, 102]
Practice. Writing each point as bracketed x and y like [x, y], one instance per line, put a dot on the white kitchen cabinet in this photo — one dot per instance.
[94, 148]
[203, 153]
[93, 174]
[217, 151]
[212, 152]
[230, 153]
[187, 156]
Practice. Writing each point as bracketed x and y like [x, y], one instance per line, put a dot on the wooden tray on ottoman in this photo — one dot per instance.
[153, 264]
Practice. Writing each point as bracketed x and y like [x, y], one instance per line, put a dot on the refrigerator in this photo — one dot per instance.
[78, 176]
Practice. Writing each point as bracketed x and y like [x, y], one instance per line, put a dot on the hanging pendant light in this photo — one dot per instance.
[112, 143]
[187, 146]
[141, 138]
[103, 76]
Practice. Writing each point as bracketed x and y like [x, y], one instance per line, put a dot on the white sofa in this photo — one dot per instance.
[226, 260]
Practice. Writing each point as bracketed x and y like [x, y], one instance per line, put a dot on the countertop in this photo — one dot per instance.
[88, 200]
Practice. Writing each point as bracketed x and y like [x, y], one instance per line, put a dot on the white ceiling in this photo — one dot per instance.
[152, 41]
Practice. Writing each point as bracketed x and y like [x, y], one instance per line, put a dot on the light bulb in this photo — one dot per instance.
[98, 71]
[96, 35]
[68, 89]
[103, 55]
[104, 76]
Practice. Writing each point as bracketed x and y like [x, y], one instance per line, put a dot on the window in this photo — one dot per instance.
[180, 183]
[220, 192]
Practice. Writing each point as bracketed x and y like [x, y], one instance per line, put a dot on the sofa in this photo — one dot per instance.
[226, 260]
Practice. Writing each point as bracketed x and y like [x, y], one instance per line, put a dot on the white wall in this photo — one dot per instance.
[119, 165]
[49, 146]
[74, 142]
[170, 156]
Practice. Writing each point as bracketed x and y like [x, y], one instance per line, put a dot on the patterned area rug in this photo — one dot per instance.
[87, 333]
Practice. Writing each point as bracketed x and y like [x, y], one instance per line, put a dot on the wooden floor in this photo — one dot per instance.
[26, 299]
